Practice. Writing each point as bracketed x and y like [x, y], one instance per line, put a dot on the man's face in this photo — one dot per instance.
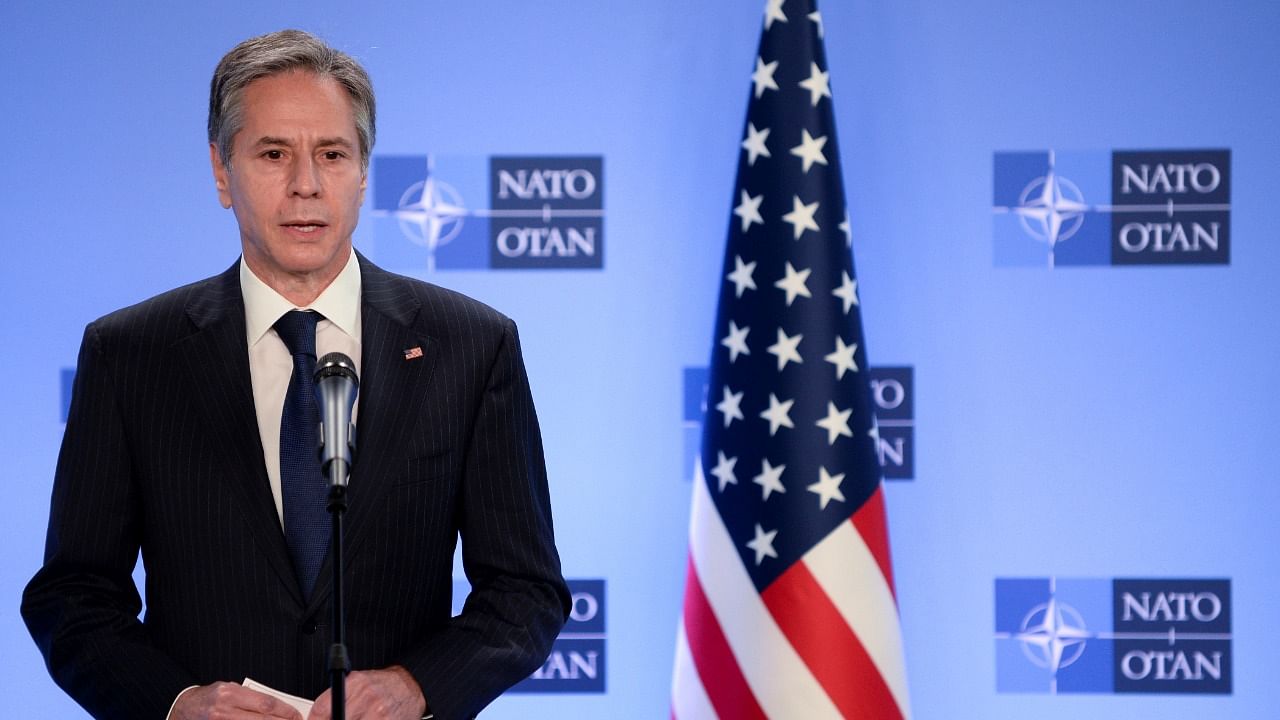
[295, 181]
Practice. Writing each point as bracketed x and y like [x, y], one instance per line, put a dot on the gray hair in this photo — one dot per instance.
[280, 52]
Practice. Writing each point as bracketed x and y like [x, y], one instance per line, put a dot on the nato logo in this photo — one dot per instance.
[695, 408]
[893, 395]
[468, 213]
[577, 661]
[1059, 635]
[1150, 207]
[67, 379]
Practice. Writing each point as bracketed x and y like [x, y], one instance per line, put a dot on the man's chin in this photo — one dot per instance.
[301, 261]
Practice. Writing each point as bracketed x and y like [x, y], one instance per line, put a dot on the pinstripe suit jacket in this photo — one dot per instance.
[162, 453]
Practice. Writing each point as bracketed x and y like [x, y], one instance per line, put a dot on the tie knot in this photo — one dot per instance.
[297, 328]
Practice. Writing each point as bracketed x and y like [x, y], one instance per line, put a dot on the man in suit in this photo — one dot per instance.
[183, 443]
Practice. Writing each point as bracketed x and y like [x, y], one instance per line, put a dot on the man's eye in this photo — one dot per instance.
[333, 155]
[273, 154]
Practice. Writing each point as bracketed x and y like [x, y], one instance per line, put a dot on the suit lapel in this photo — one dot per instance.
[392, 390]
[218, 361]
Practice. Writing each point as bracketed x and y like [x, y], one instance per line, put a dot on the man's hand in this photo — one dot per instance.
[390, 694]
[229, 701]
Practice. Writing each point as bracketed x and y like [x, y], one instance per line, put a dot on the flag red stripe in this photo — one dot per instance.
[828, 645]
[870, 522]
[726, 687]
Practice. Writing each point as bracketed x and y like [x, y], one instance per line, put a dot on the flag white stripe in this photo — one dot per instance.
[847, 571]
[689, 699]
[780, 680]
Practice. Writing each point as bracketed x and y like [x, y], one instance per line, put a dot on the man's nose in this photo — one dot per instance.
[304, 178]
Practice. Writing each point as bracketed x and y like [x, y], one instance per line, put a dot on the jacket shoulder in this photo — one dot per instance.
[163, 318]
[441, 310]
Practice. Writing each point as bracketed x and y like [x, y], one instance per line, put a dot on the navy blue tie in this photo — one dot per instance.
[302, 487]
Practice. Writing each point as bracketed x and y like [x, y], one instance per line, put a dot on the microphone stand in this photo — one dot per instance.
[339, 661]
[337, 385]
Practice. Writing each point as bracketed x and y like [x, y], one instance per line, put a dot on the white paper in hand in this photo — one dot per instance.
[301, 705]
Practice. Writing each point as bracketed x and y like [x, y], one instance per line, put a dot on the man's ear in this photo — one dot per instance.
[364, 184]
[221, 176]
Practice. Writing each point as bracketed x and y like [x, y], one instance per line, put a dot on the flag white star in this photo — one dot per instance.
[817, 18]
[730, 406]
[749, 210]
[785, 349]
[778, 415]
[763, 76]
[773, 11]
[842, 358]
[848, 291]
[762, 544]
[836, 423]
[847, 230]
[741, 275]
[827, 488]
[794, 284]
[724, 470]
[810, 150]
[754, 144]
[770, 479]
[736, 341]
[818, 84]
[801, 216]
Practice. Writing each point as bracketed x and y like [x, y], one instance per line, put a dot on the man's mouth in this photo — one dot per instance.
[306, 226]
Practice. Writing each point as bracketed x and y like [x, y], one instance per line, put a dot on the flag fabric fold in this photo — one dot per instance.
[789, 608]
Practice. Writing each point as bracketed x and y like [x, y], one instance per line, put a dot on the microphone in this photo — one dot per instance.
[336, 386]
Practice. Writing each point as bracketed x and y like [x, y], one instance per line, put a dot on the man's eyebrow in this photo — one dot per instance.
[322, 142]
[338, 141]
[269, 140]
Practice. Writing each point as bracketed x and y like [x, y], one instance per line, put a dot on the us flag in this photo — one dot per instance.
[789, 607]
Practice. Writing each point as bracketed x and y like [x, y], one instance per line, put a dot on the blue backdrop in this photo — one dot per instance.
[1092, 422]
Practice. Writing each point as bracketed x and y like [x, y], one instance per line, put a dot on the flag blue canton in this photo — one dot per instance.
[789, 439]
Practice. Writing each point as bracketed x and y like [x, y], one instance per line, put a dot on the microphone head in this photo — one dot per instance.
[336, 387]
[336, 364]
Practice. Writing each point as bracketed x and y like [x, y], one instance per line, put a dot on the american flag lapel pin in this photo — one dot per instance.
[413, 353]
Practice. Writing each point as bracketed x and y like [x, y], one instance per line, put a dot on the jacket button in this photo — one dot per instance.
[309, 627]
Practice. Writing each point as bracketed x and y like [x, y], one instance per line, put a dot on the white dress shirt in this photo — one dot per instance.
[271, 365]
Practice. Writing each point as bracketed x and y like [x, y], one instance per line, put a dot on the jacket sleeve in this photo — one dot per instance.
[82, 606]
[518, 601]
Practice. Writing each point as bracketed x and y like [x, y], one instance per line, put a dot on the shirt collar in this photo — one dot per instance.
[339, 303]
